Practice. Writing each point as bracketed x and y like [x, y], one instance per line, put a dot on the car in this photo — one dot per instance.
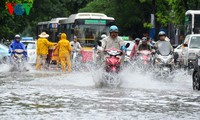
[4, 54]
[129, 49]
[27, 38]
[31, 51]
[191, 47]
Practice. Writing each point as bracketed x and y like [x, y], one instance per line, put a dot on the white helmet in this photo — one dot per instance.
[17, 36]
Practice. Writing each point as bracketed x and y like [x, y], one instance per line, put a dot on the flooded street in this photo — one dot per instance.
[50, 95]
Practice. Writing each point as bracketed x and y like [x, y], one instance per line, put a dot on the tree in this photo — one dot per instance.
[42, 10]
[129, 15]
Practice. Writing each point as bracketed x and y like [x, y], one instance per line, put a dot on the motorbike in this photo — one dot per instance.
[164, 60]
[112, 67]
[144, 59]
[18, 60]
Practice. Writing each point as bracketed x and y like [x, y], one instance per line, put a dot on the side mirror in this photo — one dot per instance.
[99, 43]
[127, 45]
[185, 45]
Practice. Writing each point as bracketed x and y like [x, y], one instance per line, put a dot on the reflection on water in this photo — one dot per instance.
[51, 95]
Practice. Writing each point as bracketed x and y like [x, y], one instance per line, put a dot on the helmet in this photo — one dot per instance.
[144, 39]
[75, 37]
[137, 39]
[17, 36]
[113, 28]
[161, 33]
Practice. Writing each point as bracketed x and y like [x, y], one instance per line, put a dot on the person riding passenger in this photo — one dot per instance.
[16, 44]
[162, 38]
[76, 46]
[114, 41]
[134, 49]
[144, 45]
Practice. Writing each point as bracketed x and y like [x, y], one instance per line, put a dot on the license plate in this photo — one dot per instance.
[165, 57]
[165, 69]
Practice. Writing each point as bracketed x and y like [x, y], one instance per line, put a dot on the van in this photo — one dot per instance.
[191, 48]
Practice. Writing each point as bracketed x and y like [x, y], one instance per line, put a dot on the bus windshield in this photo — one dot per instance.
[195, 42]
[197, 23]
[87, 31]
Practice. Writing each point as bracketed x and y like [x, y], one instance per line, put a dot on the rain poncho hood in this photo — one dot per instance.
[63, 36]
[64, 47]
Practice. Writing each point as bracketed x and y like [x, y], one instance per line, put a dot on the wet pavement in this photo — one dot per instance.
[54, 96]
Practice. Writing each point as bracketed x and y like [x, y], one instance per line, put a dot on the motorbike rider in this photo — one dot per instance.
[42, 50]
[64, 50]
[134, 49]
[76, 46]
[114, 41]
[16, 44]
[144, 45]
[162, 37]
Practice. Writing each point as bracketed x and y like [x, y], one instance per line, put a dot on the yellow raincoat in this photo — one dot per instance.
[64, 50]
[42, 51]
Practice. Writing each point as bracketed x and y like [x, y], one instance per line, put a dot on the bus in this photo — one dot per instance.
[51, 27]
[88, 27]
[192, 22]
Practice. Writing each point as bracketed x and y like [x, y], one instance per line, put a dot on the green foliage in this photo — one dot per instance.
[147, 25]
[132, 16]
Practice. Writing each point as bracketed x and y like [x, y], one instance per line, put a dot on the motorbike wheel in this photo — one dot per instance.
[196, 81]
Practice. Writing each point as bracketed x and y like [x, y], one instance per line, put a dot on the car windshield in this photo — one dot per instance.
[4, 47]
[31, 46]
[195, 42]
[164, 48]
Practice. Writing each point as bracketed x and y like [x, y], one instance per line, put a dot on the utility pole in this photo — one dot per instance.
[154, 10]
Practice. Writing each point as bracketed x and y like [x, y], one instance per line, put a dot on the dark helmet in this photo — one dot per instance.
[113, 28]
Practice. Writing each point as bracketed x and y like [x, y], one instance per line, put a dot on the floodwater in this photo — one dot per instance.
[37, 95]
